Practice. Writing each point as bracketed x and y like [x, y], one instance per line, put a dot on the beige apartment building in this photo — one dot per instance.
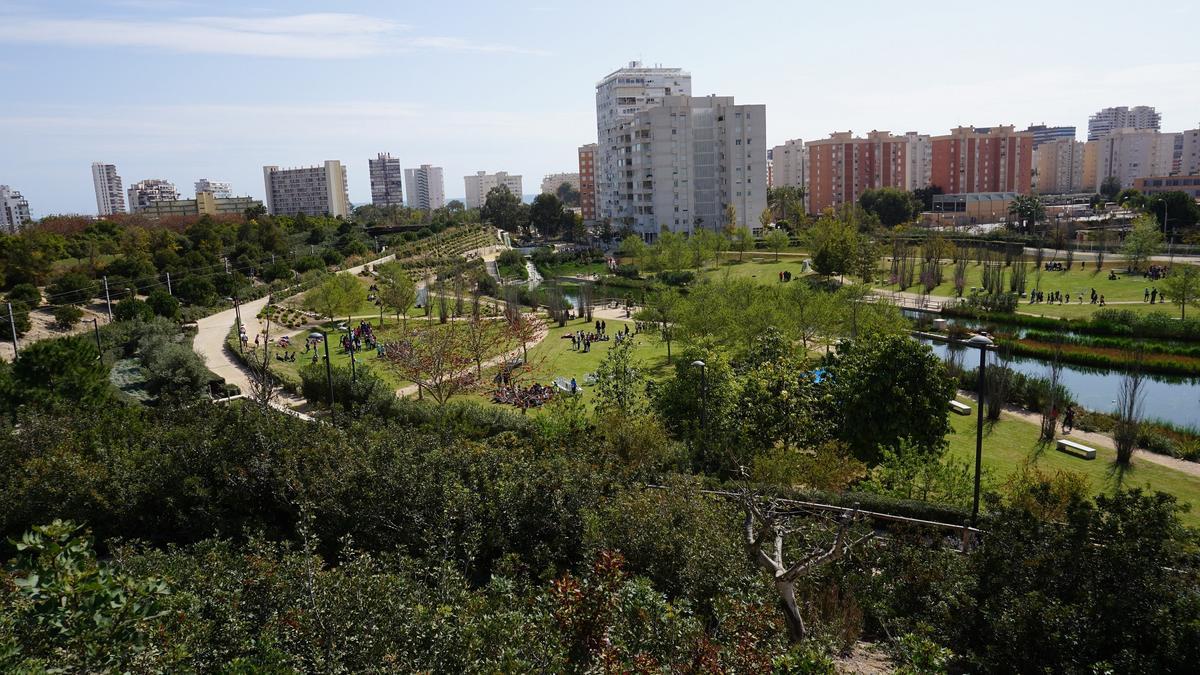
[312, 190]
[205, 204]
[587, 182]
[1059, 167]
[479, 185]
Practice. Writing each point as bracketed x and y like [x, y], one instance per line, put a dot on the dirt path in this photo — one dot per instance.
[1100, 440]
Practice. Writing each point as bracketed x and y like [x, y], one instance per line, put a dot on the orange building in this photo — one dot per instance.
[841, 167]
[587, 182]
[967, 160]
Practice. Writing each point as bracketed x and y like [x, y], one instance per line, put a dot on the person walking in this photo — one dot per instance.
[1069, 419]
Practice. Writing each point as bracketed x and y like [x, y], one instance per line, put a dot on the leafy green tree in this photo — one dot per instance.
[662, 308]
[1110, 187]
[672, 249]
[567, 194]
[397, 291]
[174, 372]
[619, 381]
[66, 316]
[77, 612]
[19, 318]
[890, 392]
[163, 304]
[26, 294]
[196, 291]
[1144, 240]
[502, 209]
[924, 196]
[698, 406]
[1028, 210]
[1173, 209]
[62, 370]
[743, 240]
[545, 215]
[893, 206]
[776, 240]
[132, 309]
[833, 246]
[1131, 198]
[1182, 286]
[75, 288]
[335, 297]
[633, 247]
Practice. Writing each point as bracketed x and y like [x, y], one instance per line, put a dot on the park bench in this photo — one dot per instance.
[960, 408]
[1077, 449]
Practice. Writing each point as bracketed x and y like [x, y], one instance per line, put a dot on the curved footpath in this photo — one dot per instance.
[213, 330]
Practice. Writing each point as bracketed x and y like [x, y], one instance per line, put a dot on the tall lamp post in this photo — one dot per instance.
[982, 343]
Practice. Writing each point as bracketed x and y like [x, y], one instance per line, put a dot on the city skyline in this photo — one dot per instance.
[297, 82]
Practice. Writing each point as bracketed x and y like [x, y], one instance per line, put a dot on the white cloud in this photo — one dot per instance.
[305, 36]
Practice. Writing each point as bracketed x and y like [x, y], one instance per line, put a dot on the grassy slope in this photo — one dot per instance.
[1012, 442]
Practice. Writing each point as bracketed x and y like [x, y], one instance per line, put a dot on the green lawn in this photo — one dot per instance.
[1010, 443]
[766, 271]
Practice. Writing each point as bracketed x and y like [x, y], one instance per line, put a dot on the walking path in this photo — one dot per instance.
[1100, 440]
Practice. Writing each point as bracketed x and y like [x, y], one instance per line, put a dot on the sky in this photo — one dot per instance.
[185, 90]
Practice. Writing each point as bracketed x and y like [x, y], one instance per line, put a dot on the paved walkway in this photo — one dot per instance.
[1100, 440]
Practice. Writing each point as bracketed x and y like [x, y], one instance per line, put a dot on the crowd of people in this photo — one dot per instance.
[581, 341]
[1155, 272]
[1063, 297]
[523, 397]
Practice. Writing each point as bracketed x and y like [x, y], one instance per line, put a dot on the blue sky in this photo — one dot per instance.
[181, 90]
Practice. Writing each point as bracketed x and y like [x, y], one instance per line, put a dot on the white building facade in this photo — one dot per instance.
[685, 160]
[313, 190]
[425, 187]
[1059, 167]
[1108, 120]
[479, 184]
[146, 192]
[110, 198]
[217, 188]
[387, 180]
[918, 155]
[1130, 154]
[790, 164]
[620, 96]
[14, 210]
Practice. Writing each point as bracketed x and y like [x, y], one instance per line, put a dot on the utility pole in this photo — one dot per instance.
[169, 291]
[12, 325]
[107, 299]
[96, 330]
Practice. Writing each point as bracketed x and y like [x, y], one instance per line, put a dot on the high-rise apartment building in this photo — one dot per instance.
[1189, 153]
[387, 181]
[1142, 117]
[14, 210]
[687, 159]
[1044, 134]
[587, 182]
[110, 198]
[146, 192]
[312, 190]
[967, 160]
[425, 187]
[918, 154]
[552, 182]
[1060, 167]
[1129, 154]
[789, 164]
[481, 183]
[842, 167]
[620, 96]
[217, 188]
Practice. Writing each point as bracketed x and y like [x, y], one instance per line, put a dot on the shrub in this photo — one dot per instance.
[26, 294]
[163, 304]
[66, 316]
[19, 318]
[676, 278]
[132, 309]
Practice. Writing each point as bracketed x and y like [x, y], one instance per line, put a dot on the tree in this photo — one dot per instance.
[833, 245]
[66, 316]
[632, 247]
[619, 382]
[1143, 241]
[764, 219]
[63, 370]
[1131, 395]
[1028, 210]
[397, 291]
[1110, 187]
[892, 206]
[502, 209]
[132, 309]
[567, 194]
[20, 318]
[26, 294]
[436, 359]
[481, 337]
[1173, 209]
[1182, 286]
[776, 240]
[890, 392]
[334, 297]
[546, 215]
[787, 204]
[662, 308]
[163, 304]
[743, 240]
[924, 196]
[75, 288]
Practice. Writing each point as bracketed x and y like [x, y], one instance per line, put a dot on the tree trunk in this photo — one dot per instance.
[791, 611]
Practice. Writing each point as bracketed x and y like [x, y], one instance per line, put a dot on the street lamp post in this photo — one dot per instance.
[982, 343]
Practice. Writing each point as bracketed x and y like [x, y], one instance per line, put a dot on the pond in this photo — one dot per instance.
[1171, 399]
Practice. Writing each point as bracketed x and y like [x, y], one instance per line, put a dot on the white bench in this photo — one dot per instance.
[960, 408]
[1077, 449]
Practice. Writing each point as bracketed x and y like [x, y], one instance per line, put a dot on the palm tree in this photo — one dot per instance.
[1028, 210]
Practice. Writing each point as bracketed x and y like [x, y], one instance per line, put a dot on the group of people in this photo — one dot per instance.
[287, 357]
[360, 337]
[523, 397]
[785, 276]
[1155, 272]
[1055, 267]
[582, 341]
[1151, 295]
